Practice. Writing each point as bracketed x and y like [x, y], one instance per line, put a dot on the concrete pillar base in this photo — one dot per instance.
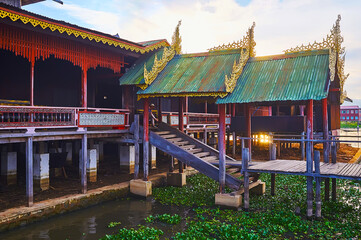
[153, 157]
[176, 179]
[260, 189]
[69, 151]
[141, 188]
[9, 168]
[127, 157]
[41, 184]
[228, 200]
[91, 168]
[41, 171]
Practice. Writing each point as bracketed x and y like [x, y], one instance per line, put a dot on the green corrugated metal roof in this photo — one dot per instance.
[287, 77]
[135, 75]
[194, 74]
[148, 43]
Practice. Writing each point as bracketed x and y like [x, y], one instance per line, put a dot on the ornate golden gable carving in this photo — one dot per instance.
[333, 42]
[236, 71]
[168, 55]
[247, 42]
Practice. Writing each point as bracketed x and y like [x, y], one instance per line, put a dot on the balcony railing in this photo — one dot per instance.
[194, 120]
[18, 117]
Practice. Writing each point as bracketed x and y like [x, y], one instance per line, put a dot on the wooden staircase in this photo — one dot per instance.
[192, 152]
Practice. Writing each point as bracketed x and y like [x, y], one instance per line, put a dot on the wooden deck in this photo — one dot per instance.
[295, 167]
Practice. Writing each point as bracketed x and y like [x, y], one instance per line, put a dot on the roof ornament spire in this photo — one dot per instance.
[168, 54]
[332, 42]
[177, 39]
[246, 45]
[247, 42]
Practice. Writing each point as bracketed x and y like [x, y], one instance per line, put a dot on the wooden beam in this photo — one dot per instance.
[181, 126]
[326, 145]
[146, 139]
[248, 116]
[221, 146]
[273, 152]
[318, 184]
[29, 172]
[32, 66]
[84, 88]
[309, 162]
[334, 160]
[245, 159]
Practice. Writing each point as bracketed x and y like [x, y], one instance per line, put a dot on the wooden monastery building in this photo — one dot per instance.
[69, 95]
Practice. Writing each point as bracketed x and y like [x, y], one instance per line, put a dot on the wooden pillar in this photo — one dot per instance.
[136, 146]
[273, 175]
[186, 101]
[302, 110]
[309, 163]
[334, 160]
[159, 110]
[205, 107]
[326, 145]
[32, 66]
[146, 139]
[318, 184]
[248, 116]
[278, 110]
[84, 159]
[29, 172]
[221, 147]
[269, 110]
[84, 88]
[245, 159]
[181, 126]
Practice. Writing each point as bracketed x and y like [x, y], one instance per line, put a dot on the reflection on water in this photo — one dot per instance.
[91, 223]
[351, 135]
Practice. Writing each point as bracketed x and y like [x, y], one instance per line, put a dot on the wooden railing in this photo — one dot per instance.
[193, 119]
[59, 117]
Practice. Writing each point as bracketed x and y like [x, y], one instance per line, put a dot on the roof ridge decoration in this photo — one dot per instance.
[44, 24]
[247, 42]
[333, 42]
[168, 54]
[247, 45]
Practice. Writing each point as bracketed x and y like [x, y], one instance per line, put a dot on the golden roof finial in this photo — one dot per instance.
[177, 39]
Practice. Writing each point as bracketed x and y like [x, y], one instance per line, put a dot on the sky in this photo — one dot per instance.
[280, 24]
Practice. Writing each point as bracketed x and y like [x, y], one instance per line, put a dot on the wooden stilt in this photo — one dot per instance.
[84, 159]
[84, 89]
[234, 136]
[318, 184]
[326, 145]
[303, 146]
[181, 127]
[248, 128]
[221, 146]
[245, 159]
[159, 110]
[334, 160]
[146, 139]
[136, 146]
[273, 175]
[29, 172]
[32, 65]
[309, 162]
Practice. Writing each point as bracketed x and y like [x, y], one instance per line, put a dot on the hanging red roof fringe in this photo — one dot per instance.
[34, 46]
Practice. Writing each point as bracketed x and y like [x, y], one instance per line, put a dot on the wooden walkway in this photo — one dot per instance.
[295, 167]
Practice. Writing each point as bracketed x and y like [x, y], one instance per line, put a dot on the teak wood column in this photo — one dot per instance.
[221, 146]
[146, 139]
[181, 126]
[84, 88]
[32, 66]
[309, 157]
[326, 145]
[248, 116]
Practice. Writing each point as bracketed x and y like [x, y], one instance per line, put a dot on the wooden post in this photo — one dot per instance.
[146, 139]
[248, 128]
[318, 184]
[159, 110]
[303, 146]
[326, 145]
[84, 159]
[32, 66]
[234, 136]
[84, 88]
[29, 172]
[221, 146]
[206, 107]
[309, 162]
[136, 146]
[181, 126]
[245, 159]
[273, 152]
[334, 160]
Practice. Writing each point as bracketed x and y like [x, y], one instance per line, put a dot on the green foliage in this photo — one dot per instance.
[164, 218]
[348, 124]
[141, 233]
[113, 224]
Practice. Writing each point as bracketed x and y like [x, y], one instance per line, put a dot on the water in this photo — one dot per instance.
[92, 222]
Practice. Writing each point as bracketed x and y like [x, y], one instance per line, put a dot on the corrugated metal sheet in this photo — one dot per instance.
[194, 73]
[287, 77]
[135, 75]
[148, 43]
